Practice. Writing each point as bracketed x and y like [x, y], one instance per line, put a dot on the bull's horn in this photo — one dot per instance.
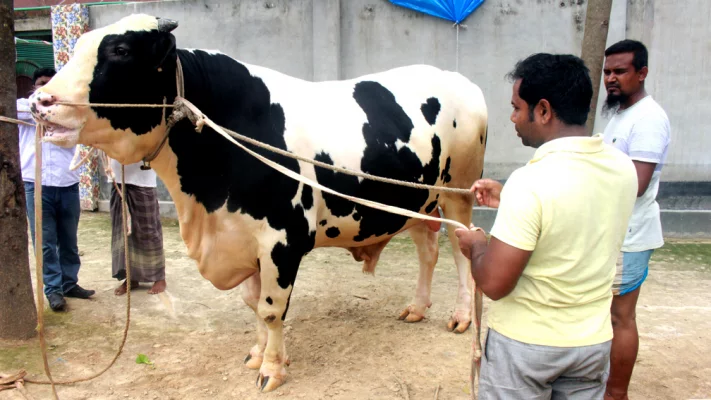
[166, 25]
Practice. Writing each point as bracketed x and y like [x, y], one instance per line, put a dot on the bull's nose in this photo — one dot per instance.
[42, 99]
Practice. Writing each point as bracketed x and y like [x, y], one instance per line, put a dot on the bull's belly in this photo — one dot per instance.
[348, 230]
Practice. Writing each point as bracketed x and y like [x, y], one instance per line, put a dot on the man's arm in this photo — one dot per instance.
[647, 143]
[644, 175]
[496, 267]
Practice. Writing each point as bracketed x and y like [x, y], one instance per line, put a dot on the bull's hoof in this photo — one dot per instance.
[254, 358]
[458, 324]
[252, 362]
[413, 313]
[268, 381]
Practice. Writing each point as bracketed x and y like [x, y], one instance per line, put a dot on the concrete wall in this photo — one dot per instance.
[677, 37]
[35, 20]
[339, 39]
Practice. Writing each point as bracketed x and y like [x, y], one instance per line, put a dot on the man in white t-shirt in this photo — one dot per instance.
[145, 243]
[639, 128]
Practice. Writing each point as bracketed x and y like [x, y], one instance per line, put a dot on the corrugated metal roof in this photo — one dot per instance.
[37, 51]
[34, 35]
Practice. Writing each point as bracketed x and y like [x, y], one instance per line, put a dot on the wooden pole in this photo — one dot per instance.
[18, 316]
[597, 23]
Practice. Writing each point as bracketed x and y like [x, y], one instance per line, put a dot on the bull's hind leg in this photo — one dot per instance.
[251, 289]
[459, 208]
[277, 283]
[427, 252]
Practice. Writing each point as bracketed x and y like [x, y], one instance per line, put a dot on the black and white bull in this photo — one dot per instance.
[245, 223]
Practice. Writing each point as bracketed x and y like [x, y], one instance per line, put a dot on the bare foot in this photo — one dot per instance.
[121, 290]
[158, 287]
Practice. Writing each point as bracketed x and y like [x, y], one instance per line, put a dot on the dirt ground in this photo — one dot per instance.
[343, 335]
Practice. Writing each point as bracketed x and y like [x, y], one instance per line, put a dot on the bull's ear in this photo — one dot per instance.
[164, 48]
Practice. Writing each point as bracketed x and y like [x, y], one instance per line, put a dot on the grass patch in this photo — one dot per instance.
[95, 223]
[20, 356]
[63, 329]
[696, 255]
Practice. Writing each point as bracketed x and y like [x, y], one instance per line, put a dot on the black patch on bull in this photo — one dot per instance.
[127, 72]
[430, 110]
[218, 173]
[339, 182]
[286, 309]
[454, 123]
[431, 207]
[333, 232]
[386, 123]
[446, 177]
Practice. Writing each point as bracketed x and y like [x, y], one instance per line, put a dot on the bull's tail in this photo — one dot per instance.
[486, 134]
[486, 141]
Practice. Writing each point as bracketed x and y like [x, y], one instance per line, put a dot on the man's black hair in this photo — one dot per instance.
[638, 50]
[48, 72]
[562, 79]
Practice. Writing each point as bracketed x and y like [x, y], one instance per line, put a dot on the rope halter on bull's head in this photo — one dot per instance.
[168, 25]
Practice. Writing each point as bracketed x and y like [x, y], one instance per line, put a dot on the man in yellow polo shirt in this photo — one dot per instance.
[560, 225]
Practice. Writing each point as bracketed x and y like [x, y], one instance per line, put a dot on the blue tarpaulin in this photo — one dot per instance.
[453, 10]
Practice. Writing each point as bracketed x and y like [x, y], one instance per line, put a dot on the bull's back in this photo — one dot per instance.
[414, 123]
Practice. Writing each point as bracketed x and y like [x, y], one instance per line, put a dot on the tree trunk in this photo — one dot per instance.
[597, 22]
[18, 317]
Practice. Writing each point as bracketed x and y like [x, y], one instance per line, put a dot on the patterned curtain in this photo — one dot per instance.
[68, 23]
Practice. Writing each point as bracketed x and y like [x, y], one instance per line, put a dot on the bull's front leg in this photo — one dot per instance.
[277, 274]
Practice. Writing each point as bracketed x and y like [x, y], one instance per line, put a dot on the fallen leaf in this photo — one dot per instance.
[143, 359]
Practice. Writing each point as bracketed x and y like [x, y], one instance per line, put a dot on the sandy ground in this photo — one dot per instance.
[343, 335]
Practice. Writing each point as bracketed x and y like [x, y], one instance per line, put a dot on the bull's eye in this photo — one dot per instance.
[121, 51]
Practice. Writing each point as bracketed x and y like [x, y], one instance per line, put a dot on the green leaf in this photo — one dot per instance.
[143, 359]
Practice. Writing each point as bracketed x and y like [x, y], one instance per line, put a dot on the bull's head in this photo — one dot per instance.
[131, 61]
